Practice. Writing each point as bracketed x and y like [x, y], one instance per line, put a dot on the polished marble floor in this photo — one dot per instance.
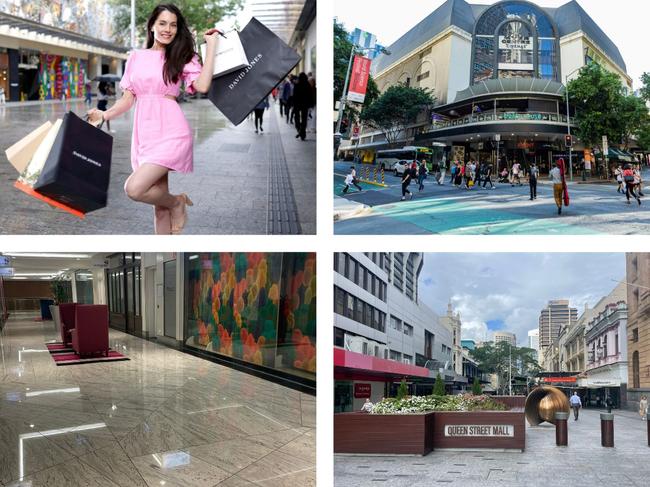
[163, 418]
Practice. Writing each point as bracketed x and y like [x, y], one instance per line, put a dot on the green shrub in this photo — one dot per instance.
[439, 386]
[402, 391]
[476, 387]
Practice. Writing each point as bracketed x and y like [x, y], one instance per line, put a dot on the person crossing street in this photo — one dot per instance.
[533, 173]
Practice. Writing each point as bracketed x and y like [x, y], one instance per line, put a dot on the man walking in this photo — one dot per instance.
[516, 169]
[351, 180]
[533, 172]
[576, 404]
[487, 175]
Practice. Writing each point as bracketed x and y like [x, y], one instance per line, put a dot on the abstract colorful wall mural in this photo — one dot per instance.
[256, 307]
[59, 75]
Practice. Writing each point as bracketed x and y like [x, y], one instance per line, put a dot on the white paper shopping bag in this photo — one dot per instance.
[22, 151]
[230, 55]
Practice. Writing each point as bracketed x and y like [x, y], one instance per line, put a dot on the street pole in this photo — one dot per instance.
[132, 24]
[568, 127]
[510, 368]
[344, 94]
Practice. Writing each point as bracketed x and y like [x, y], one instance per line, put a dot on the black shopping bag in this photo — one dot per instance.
[78, 168]
[271, 60]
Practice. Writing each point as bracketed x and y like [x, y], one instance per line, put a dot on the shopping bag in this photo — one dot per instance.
[230, 55]
[78, 168]
[236, 94]
[71, 167]
[22, 151]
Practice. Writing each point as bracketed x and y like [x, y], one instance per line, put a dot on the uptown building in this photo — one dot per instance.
[452, 321]
[49, 51]
[498, 75]
[382, 332]
[505, 336]
[557, 313]
[638, 326]
[533, 339]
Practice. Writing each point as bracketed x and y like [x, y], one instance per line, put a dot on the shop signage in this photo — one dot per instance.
[515, 42]
[359, 79]
[362, 390]
[605, 145]
[480, 430]
[559, 379]
[523, 116]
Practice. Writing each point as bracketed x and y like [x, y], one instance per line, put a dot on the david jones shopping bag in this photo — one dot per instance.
[70, 168]
[271, 60]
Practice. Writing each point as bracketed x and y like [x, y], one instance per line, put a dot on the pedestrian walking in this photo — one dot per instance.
[406, 180]
[452, 171]
[576, 404]
[302, 102]
[259, 113]
[162, 138]
[88, 95]
[351, 180]
[618, 173]
[643, 408]
[609, 404]
[440, 178]
[638, 182]
[102, 100]
[533, 173]
[285, 96]
[503, 176]
[559, 184]
[2, 95]
[480, 168]
[630, 184]
[422, 174]
[465, 172]
[516, 170]
[487, 175]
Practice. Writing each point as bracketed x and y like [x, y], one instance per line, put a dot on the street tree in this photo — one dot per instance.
[342, 50]
[645, 89]
[597, 96]
[402, 390]
[397, 108]
[634, 118]
[506, 361]
[439, 386]
[200, 15]
[476, 387]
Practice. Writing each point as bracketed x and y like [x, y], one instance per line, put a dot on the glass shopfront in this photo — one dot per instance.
[256, 308]
[123, 281]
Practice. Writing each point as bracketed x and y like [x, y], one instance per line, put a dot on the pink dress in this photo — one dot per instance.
[161, 134]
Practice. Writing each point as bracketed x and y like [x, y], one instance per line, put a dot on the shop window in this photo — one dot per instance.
[636, 378]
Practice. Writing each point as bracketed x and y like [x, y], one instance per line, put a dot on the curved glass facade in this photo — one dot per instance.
[514, 40]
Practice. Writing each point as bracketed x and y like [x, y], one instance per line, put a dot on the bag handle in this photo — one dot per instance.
[87, 119]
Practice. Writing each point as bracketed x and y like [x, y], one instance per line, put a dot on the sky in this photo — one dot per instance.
[507, 291]
[625, 22]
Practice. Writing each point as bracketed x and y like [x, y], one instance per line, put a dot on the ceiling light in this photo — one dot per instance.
[49, 255]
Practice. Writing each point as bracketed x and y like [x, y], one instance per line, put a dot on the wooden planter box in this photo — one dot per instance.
[409, 434]
[419, 434]
[511, 401]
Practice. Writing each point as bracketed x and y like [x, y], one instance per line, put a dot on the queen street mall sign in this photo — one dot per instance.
[480, 430]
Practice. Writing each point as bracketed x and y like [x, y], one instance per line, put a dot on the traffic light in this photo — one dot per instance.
[568, 142]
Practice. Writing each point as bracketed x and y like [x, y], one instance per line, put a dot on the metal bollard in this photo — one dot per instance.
[374, 175]
[561, 435]
[607, 430]
[367, 172]
[382, 176]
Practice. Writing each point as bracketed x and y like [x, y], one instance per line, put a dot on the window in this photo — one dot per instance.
[349, 309]
[336, 262]
[407, 359]
[395, 323]
[346, 268]
[605, 346]
[364, 348]
[394, 355]
[422, 76]
[339, 301]
[636, 379]
[408, 330]
[616, 344]
[635, 335]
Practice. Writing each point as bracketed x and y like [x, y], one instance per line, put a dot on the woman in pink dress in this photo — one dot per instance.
[162, 138]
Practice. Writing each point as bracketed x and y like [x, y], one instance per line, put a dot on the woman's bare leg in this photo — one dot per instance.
[142, 186]
[162, 215]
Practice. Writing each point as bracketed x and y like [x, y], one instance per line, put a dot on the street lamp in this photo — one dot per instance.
[344, 92]
[568, 120]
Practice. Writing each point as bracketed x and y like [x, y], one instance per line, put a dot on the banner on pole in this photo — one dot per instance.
[359, 79]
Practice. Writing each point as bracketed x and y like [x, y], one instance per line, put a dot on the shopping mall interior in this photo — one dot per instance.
[136, 369]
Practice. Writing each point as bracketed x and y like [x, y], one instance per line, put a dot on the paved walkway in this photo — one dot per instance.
[161, 418]
[583, 463]
[594, 209]
[243, 182]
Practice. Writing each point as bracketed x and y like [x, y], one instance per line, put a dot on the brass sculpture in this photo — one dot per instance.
[543, 402]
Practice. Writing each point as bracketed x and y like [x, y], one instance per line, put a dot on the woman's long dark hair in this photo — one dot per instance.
[180, 51]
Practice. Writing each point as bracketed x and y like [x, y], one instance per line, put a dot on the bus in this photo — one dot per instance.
[395, 160]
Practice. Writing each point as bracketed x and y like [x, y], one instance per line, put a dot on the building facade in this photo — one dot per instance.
[49, 51]
[638, 326]
[453, 322]
[497, 73]
[557, 313]
[382, 332]
[505, 336]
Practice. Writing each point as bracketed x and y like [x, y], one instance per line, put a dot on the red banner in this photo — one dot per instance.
[359, 79]
[361, 391]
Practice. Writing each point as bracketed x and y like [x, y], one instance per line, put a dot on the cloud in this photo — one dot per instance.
[513, 288]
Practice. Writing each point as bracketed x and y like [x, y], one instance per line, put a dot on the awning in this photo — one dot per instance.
[353, 363]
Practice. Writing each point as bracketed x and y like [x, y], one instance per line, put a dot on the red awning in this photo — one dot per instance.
[358, 363]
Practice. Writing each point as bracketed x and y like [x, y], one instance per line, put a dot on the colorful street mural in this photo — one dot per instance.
[256, 307]
[59, 75]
